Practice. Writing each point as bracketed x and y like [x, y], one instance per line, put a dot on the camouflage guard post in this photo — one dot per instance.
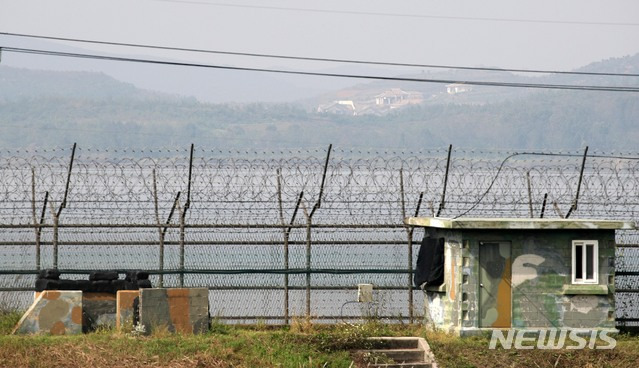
[517, 273]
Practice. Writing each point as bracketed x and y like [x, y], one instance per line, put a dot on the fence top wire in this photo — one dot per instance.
[102, 152]
[361, 186]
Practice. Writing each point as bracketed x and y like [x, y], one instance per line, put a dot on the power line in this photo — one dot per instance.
[419, 16]
[319, 74]
[305, 58]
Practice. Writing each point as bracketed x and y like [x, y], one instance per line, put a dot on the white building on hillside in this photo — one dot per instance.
[396, 97]
[456, 88]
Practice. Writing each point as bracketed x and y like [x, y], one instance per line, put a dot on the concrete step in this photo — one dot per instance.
[401, 365]
[399, 352]
[401, 355]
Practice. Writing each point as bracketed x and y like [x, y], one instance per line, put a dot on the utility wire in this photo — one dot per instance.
[305, 58]
[318, 74]
[403, 15]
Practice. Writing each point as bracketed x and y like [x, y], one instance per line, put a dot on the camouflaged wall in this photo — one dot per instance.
[182, 310]
[53, 312]
[444, 304]
[540, 281]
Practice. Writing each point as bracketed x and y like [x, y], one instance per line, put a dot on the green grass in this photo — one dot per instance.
[300, 345]
[241, 348]
[8, 320]
[223, 346]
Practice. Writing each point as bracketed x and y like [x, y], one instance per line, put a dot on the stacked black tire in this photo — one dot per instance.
[137, 280]
[98, 282]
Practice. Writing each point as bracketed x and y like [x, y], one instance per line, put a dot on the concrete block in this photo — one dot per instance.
[124, 311]
[53, 312]
[184, 310]
[99, 310]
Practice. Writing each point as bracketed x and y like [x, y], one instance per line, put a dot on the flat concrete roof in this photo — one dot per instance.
[518, 223]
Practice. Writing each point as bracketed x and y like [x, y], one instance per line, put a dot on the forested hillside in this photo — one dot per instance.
[41, 108]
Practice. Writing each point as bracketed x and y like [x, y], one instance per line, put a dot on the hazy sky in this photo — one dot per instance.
[540, 34]
[570, 34]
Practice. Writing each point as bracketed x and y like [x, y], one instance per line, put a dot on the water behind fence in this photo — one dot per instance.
[277, 235]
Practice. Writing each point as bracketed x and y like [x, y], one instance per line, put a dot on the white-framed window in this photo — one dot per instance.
[585, 262]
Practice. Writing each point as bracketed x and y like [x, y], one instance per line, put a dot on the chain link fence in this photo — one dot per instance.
[287, 234]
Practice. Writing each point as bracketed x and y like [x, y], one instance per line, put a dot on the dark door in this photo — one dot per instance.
[495, 293]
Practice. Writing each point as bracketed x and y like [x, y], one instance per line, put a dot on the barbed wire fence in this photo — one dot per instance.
[285, 234]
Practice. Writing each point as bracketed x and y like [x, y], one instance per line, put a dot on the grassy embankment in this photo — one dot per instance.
[301, 345]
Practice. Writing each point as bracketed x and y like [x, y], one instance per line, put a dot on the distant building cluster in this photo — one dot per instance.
[456, 88]
[379, 105]
[384, 102]
[395, 97]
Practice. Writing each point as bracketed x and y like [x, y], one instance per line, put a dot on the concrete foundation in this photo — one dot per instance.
[177, 310]
[99, 310]
[124, 309]
[53, 312]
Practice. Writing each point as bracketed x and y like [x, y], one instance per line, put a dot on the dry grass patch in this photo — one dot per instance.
[467, 352]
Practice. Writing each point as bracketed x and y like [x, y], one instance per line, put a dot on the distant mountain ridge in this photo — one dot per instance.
[206, 84]
[17, 83]
[437, 92]
[44, 108]
[628, 64]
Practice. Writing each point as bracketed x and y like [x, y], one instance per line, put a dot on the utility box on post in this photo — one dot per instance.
[364, 293]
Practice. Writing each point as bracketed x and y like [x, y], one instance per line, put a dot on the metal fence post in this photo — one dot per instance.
[442, 203]
[55, 236]
[36, 225]
[530, 201]
[281, 212]
[318, 204]
[308, 266]
[160, 233]
[168, 221]
[182, 213]
[309, 221]
[287, 235]
[409, 236]
[286, 230]
[63, 205]
[573, 207]
[411, 229]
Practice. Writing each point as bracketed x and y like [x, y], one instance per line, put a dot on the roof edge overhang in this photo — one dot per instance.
[518, 223]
